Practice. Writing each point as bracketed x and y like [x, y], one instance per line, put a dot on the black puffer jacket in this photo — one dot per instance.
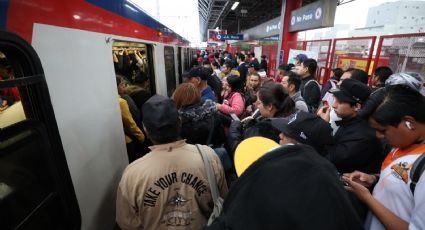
[258, 127]
[374, 100]
[356, 147]
[198, 121]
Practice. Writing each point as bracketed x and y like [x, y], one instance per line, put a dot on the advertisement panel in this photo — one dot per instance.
[345, 62]
[293, 53]
[214, 35]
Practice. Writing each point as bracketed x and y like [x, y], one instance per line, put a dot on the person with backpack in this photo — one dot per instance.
[332, 82]
[398, 199]
[200, 122]
[169, 187]
[310, 88]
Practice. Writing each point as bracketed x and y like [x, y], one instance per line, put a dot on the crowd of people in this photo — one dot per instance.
[350, 155]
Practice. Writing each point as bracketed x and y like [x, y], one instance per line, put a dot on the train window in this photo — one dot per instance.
[170, 71]
[36, 190]
[11, 110]
[134, 61]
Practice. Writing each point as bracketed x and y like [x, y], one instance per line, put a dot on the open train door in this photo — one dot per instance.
[36, 190]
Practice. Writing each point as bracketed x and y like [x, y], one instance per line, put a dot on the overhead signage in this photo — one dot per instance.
[214, 35]
[267, 29]
[224, 37]
[318, 14]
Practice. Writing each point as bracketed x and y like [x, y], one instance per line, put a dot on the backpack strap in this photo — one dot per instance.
[210, 174]
[415, 173]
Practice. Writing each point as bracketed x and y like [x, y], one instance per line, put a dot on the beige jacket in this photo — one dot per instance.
[168, 189]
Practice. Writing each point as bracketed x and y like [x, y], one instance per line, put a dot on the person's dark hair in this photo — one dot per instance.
[311, 64]
[216, 55]
[338, 72]
[242, 57]
[167, 134]
[271, 93]
[206, 62]
[263, 56]
[201, 72]
[229, 64]
[400, 101]
[294, 79]
[359, 75]
[291, 66]
[119, 79]
[284, 67]
[215, 64]
[236, 83]
[383, 73]
[142, 52]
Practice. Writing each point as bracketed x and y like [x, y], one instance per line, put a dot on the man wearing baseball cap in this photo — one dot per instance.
[167, 187]
[304, 128]
[355, 144]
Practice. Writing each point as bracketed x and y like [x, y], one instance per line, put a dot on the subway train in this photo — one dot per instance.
[62, 148]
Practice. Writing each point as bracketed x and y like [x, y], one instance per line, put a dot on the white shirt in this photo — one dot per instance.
[393, 191]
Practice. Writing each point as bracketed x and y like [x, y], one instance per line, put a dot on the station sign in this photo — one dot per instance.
[318, 14]
[214, 35]
[224, 37]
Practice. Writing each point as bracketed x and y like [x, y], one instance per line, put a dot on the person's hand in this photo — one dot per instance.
[364, 179]
[361, 191]
[249, 109]
[324, 112]
[217, 106]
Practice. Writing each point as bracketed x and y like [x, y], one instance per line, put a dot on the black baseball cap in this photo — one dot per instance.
[352, 91]
[305, 128]
[254, 65]
[159, 112]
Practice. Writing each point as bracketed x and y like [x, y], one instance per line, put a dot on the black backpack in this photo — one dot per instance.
[216, 85]
[417, 169]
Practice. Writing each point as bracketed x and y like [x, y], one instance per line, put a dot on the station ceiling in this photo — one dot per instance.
[248, 14]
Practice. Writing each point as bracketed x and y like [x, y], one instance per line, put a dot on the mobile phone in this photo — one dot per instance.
[234, 117]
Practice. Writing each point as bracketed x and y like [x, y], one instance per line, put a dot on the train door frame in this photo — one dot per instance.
[170, 77]
[179, 65]
[41, 120]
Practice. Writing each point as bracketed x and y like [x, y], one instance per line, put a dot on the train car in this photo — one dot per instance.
[62, 148]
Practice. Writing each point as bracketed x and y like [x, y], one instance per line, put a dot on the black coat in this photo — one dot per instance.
[355, 147]
[262, 128]
[310, 92]
[243, 71]
[199, 122]
[374, 100]
[291, 187]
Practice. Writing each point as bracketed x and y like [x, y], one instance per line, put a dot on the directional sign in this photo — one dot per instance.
[315, 15]
[230, 36]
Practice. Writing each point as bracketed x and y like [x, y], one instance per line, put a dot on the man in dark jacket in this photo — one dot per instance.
[291, 187]
[310, 89]
[242, 67]
[381, 74]
[356, 146]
